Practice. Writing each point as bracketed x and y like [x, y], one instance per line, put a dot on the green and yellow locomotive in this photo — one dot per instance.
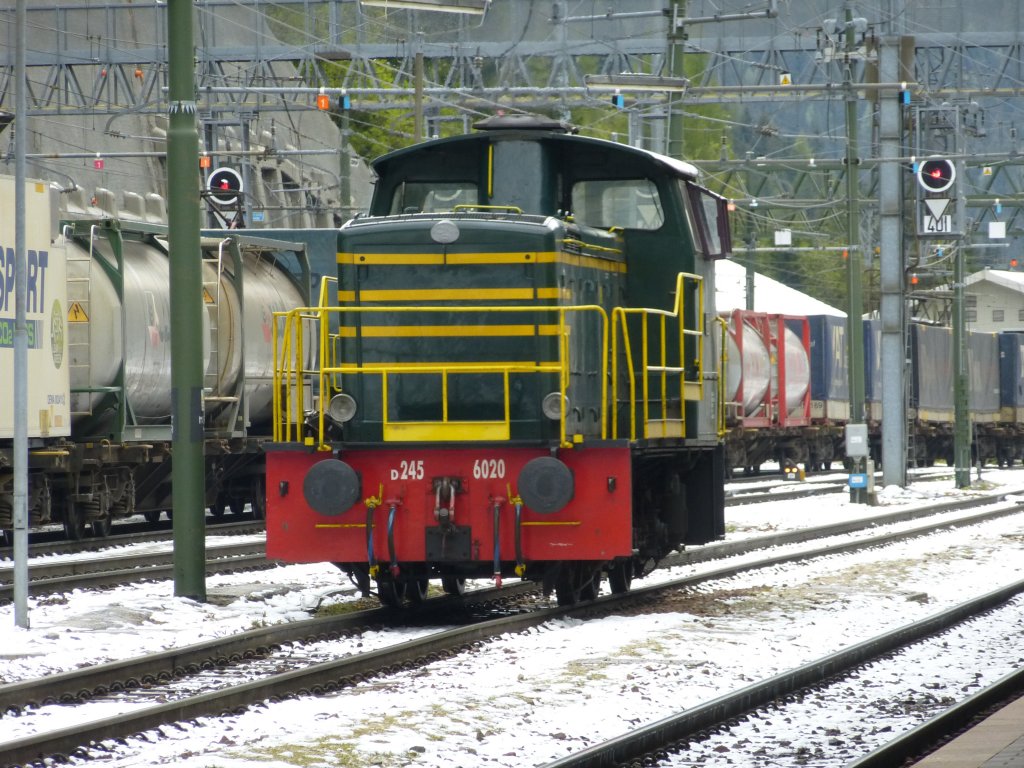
[516, 371]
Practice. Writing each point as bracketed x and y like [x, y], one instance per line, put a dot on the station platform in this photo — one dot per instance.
[996, 742]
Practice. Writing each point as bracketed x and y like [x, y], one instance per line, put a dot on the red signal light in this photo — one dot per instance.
[936, 174]
[225, 185]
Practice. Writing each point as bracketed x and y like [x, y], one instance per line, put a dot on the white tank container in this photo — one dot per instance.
[752, 369]
[757, 369]
[267, 290]
[798, 371]
[137, 331]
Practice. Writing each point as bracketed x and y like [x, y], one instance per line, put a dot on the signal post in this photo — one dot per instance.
[940, 214]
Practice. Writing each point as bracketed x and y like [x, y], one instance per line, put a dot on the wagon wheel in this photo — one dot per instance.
[152, 516]
[6, 537]
[453, 585]
[74, 521]
[237, 506]
[259, 498]
[620, 576]
[217, 509]
[101, 528]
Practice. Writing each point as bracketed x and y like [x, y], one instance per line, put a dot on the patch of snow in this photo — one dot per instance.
[534, 697]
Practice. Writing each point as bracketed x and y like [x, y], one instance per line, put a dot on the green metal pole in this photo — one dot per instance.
[187, 475]
[855, 260]
[961, 411]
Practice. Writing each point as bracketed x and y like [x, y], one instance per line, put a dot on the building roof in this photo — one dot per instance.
[770, 296]
[1001, 277]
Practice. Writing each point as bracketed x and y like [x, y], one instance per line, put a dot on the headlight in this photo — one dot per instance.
[341, 408]
[552, 403]
[546, 485]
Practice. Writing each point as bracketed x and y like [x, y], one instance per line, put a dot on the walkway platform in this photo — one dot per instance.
[996, 742]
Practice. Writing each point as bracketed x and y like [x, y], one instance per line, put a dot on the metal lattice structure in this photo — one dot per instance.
[101, 69]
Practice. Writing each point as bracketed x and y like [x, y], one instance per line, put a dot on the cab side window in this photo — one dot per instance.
[625, 203]
[710, 221]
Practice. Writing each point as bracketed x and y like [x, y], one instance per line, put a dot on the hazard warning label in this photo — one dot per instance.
[76, 314]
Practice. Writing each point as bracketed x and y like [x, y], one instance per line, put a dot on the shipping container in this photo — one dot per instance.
[931, 352]
[46, 315]
[768, 369]
[873, 369]
[983, 374]
[1011, 375]
[830, 379]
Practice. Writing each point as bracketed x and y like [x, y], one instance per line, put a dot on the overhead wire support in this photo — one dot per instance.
[768, 13]
[855, 262]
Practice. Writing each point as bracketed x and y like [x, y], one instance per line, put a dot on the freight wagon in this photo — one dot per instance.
[99, 369]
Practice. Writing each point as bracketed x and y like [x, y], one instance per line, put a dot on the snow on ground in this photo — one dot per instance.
[524, 699]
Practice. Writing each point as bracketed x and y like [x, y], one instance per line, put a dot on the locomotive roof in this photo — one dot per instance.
[664, 163]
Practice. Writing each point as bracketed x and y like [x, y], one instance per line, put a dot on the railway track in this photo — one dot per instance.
[112, 571]
[155, 672]
[655, 744]
[225, 557]
[125, 534]
[771, 487]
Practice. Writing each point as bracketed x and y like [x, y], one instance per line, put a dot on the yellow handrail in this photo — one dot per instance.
[291, 373]
[663, 367]
[477, 207]
[297, 380]
[723, 366]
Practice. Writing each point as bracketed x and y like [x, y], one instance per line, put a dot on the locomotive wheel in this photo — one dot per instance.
[453, 585]
[390, 592]
[101, 528]
[577, 581]
[565, 595]
[620, 576]
[591, 588]
[360, 576]
[237, 506]
[416, 590]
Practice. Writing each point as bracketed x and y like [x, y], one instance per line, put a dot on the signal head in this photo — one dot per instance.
[224, 185]
[936, 174]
